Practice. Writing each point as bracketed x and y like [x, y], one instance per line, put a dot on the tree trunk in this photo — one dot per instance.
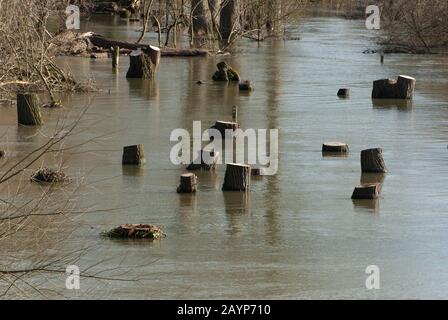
[28, 112]
[237, 177]
[372, 161]
[228, 18]
[188, 183]
[134, 155]
[201, 16]
[144, 64]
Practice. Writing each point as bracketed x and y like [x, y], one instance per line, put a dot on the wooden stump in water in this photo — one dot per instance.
[247, 85]
[2, 153]
[372, 161]
[144, 64]
[188, 183]
[371, 191]
[28, 112]
[115, 56]
[134, 155]
[255, 172]
[225, 73]
[403, 88]
[344, 93]
[222, 126]
[335, 147]
[237, 177]
[202, 164]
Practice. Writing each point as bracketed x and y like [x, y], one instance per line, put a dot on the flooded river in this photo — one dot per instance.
[296, 234]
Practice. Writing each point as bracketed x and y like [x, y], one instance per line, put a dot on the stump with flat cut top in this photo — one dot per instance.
[335, 147]
[134, 155]
[371, 191]
[28, 112]
[372, 161]
[237, 177]
[402, 88]
[144, 63]
[222, 126]
[188, 183]
[247, 85]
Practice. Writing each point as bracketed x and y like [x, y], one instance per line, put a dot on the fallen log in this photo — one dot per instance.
[101, 42]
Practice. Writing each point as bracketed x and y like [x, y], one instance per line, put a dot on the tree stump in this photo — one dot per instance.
[115, 56]
[255, 172]
[202, 164]
[222, 126]
[403, 88]
[28, 112]
[134, 155]
[247, 85]
[2, 153]
[237, 177]
[225, 73]
[371, 191]
[372, 161]
[335, 147]
[188, 183]
[344, 93]
[144, 64]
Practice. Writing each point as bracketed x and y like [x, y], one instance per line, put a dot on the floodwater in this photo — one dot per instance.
[294, 235]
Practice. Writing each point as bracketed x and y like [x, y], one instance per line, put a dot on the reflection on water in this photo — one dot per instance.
[295, 234]
[400, 105]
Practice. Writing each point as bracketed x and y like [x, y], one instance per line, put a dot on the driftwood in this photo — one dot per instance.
[135, 231]
[372, 161]
[371, 191]
[188, 183]
[335, 147]
[49, 175]
[402, 88]
[28, 112]
[237, 177]
[134, 155]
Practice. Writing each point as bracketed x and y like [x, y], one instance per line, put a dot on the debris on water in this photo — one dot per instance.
[135, 231]
[49, 175]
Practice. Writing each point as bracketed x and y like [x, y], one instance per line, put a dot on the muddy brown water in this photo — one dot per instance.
[296, 234]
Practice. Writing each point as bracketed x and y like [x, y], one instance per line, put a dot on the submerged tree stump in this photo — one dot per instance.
[115, 56]
[402, 88]
[28, 112]
[255, 172]
[2, 153]
[246, 85]
[225, 73]
[222, 126]
[372, 161]
[200, 162]
[134, 155]
[371, 191]
[135, 231]
[237, 177]
[335, 147]
[144, 64]
[344, 93]
[188, 183]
